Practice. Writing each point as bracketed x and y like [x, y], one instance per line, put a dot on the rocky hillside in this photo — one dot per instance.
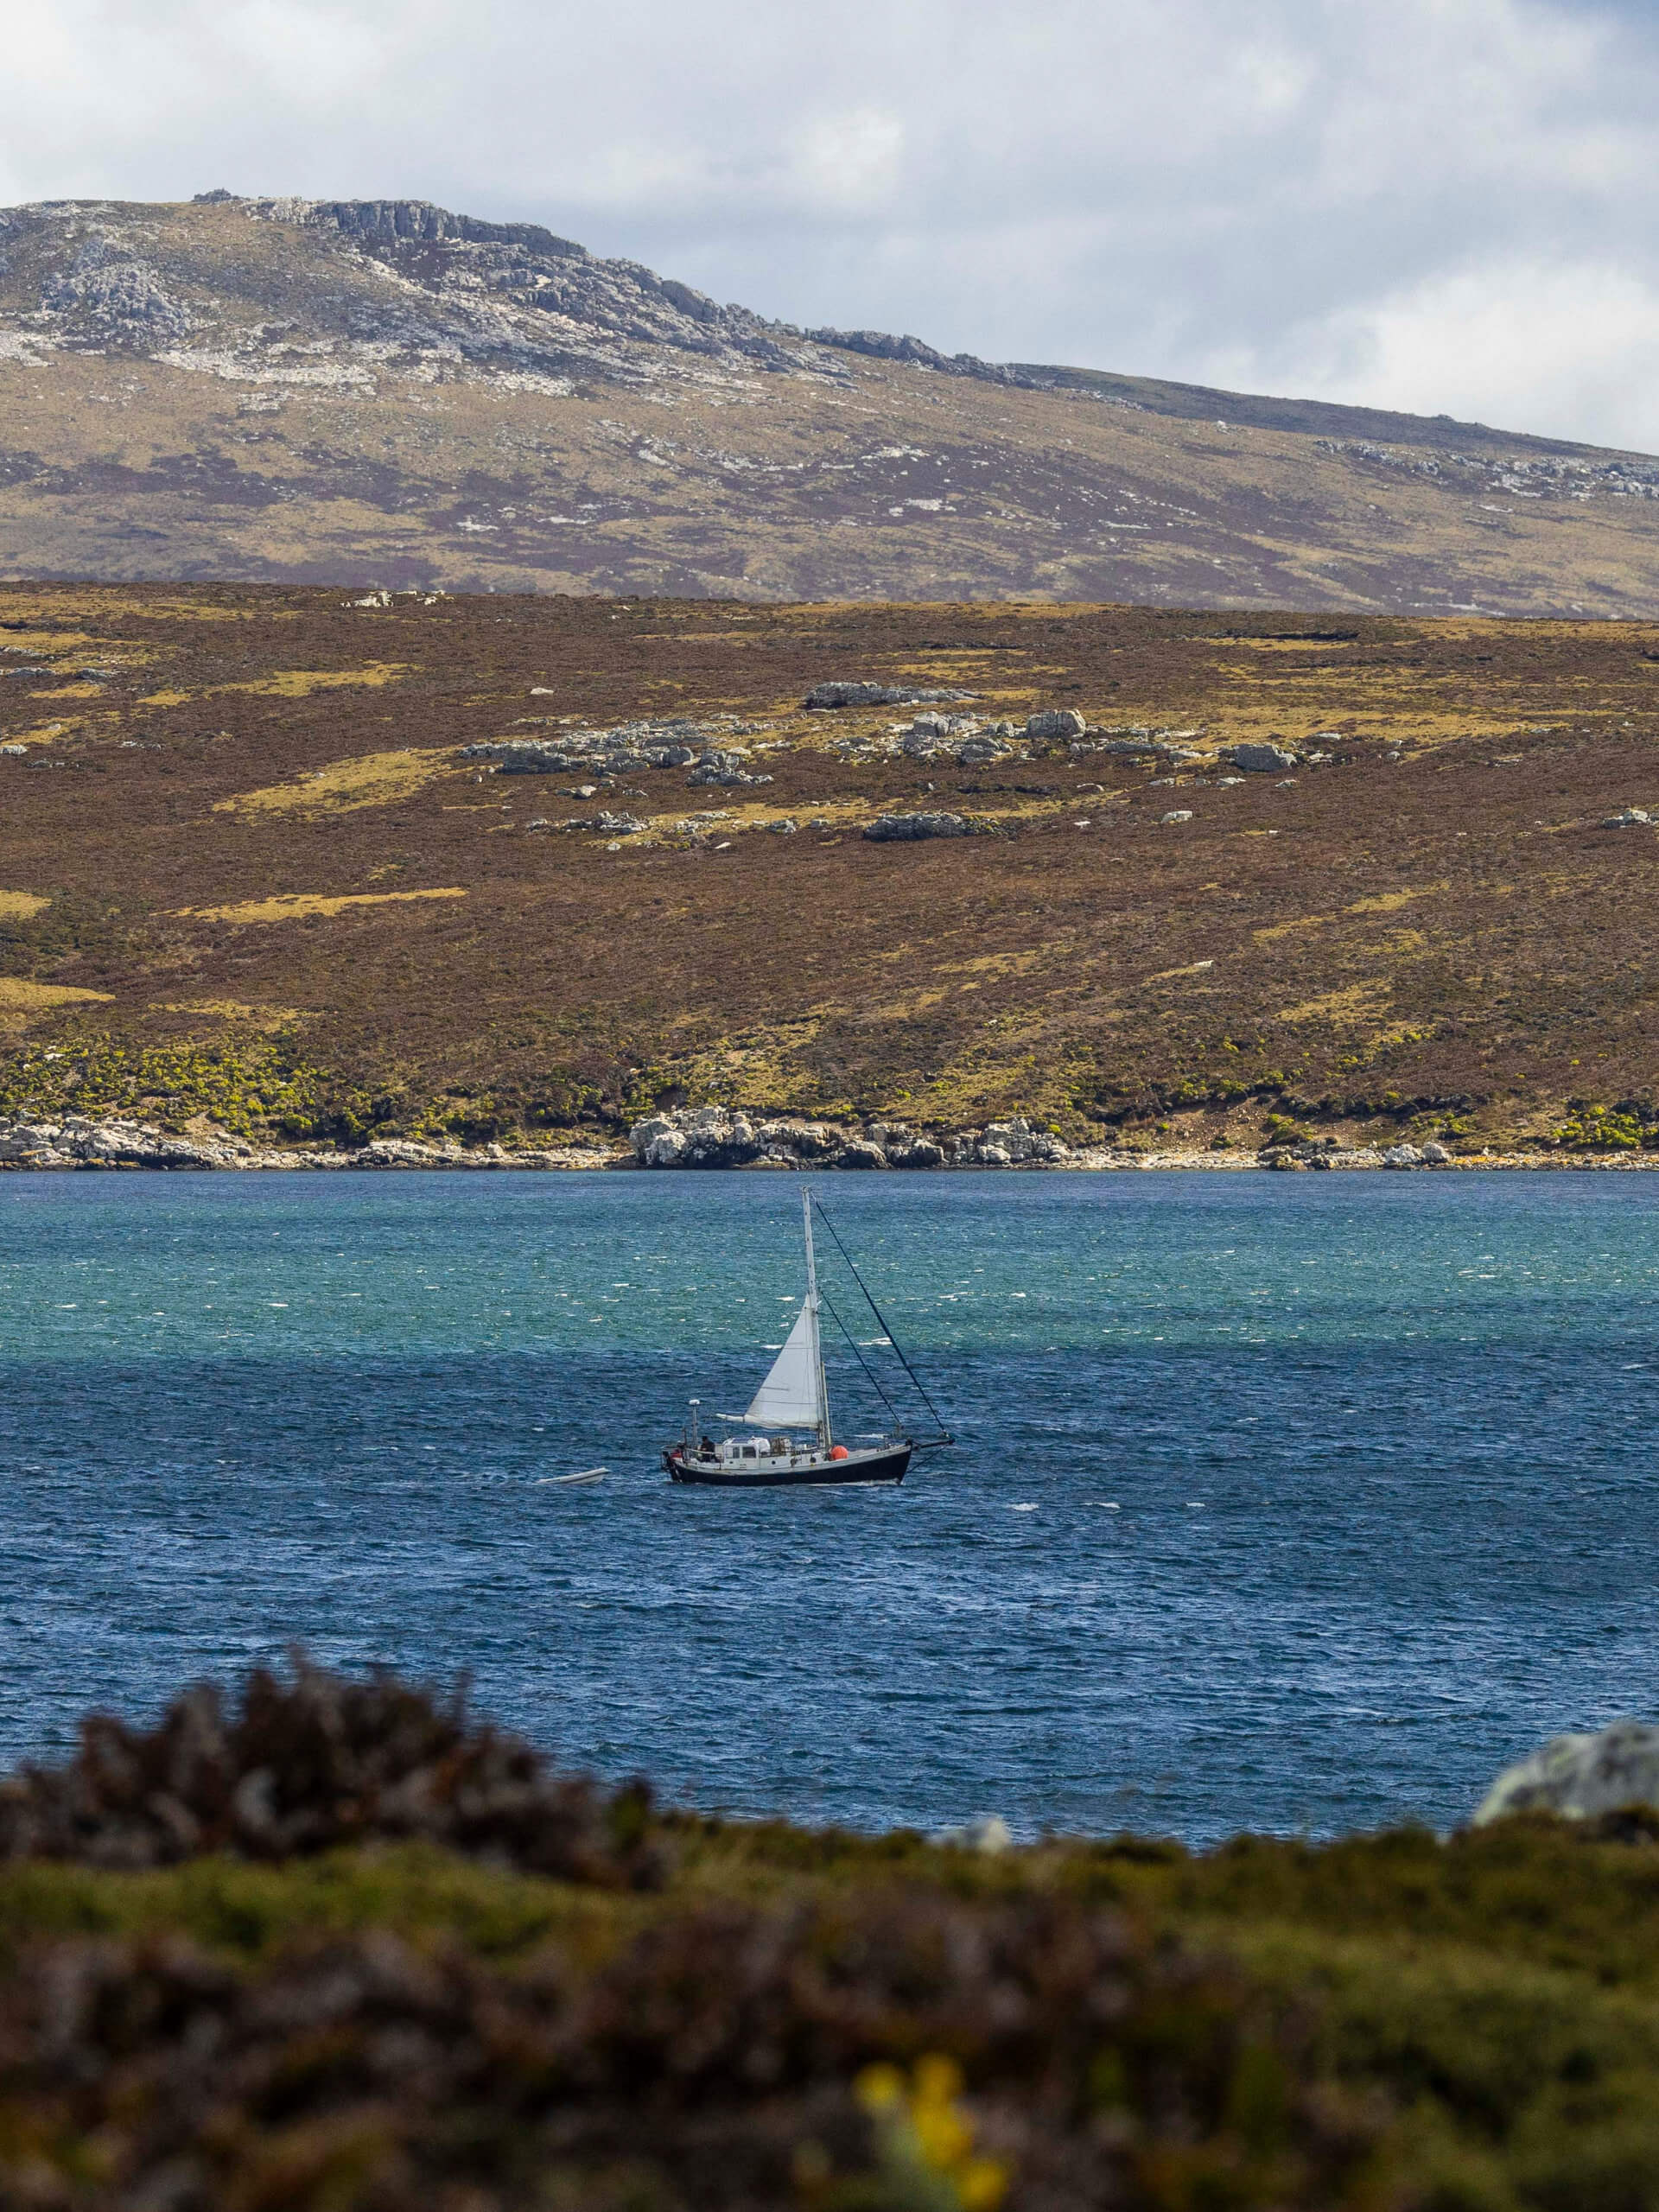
[381, 392]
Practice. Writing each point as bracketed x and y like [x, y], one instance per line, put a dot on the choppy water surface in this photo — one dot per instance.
[1279, 1502]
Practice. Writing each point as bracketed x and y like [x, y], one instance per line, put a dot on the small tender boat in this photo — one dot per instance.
[790, 1412]
[581, 1475]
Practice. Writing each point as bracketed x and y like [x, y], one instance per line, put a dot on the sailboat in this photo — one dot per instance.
[786, 1435]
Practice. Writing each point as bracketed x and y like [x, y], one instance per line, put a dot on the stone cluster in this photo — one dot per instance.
[713, 1136]
[625, 750]
[878, 694]
[727, 766]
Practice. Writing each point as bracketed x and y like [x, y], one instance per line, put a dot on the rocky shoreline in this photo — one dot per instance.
[712, 1137]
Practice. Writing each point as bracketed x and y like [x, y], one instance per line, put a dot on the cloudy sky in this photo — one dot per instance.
[1440, 205]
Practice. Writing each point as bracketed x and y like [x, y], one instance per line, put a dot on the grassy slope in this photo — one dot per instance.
[1446, 939]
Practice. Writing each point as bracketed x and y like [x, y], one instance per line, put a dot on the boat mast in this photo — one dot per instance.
[818, 1333]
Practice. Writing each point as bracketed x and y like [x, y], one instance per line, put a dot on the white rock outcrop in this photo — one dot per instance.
[1052, 723]
[1580, 1776]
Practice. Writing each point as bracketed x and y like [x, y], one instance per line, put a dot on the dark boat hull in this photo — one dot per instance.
[885, 1466]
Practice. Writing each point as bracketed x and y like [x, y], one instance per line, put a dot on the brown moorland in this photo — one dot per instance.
[246, 868]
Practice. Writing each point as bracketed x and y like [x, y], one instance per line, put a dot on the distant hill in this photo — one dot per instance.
[379, 391]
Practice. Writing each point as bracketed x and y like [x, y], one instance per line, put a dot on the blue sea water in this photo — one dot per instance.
[1279, 1502]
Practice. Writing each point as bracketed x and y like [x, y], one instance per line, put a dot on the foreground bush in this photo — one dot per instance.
[721, 2060]
[309, 1764]
[333, 1948]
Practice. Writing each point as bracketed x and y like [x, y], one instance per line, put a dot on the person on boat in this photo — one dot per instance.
[706, 1447]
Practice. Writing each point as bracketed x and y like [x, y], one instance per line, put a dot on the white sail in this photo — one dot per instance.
[792, 1394]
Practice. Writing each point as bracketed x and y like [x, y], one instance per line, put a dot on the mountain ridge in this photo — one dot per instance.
[386, 391]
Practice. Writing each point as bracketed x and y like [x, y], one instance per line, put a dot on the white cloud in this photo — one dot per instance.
[1571, 349]
[1446, 203]
[849, 161]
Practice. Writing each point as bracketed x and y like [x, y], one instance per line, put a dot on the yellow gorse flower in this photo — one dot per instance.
[925, 2127]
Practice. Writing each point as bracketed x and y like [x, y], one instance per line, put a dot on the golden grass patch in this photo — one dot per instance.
[1289, 929]
[368, 779]
[295, 905]
[1354, 1003]
[289, 684]
[300, 682]
[21, 905]
[22, 1002]
[1389, 902]
[256, 1017]
[45, 733]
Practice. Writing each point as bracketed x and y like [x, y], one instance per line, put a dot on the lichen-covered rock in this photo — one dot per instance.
[1402, 1155]
[1580, 1776]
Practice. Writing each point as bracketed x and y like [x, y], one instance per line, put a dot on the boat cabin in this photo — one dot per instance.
[732, 1449]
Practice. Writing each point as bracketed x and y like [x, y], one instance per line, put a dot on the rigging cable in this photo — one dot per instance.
[875, 1381]
[945, 1436]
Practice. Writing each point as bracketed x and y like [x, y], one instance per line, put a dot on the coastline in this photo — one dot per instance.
[117, 1146]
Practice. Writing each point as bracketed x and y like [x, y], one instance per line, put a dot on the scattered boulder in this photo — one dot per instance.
[1404, 1155]
[618, 825]
[1630, 817]
[1260, 760]
[1580, 1776]
[1435, 1154]
[887, 828]
[1176, 814]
